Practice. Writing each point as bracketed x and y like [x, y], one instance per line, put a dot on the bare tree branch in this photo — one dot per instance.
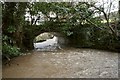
[106, 17]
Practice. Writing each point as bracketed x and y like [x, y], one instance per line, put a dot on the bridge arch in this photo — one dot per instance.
[50, 39]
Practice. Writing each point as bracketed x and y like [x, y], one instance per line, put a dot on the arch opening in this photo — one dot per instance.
[49, 41]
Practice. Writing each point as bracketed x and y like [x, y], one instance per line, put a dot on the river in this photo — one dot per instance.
[66, 63]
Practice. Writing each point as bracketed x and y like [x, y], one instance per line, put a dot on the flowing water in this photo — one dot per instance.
[66, 63]
[48, 45]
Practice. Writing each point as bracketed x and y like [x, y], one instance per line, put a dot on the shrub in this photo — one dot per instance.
[8, 49]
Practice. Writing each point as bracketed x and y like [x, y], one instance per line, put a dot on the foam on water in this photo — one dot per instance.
[49, 44]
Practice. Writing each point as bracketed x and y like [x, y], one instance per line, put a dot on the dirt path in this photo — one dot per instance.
[70, 63]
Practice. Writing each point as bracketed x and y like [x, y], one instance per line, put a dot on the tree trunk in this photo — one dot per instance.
[28, 42]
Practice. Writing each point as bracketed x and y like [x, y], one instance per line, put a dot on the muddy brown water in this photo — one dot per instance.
[67, 63]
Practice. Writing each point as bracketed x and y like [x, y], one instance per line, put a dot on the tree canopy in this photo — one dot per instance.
[22, 22]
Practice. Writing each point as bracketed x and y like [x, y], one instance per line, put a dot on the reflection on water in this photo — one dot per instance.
[48, 45]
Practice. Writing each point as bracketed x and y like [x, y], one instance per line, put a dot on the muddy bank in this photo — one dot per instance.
[68, 63]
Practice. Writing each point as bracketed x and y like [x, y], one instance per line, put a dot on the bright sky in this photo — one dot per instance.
[106, 3]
